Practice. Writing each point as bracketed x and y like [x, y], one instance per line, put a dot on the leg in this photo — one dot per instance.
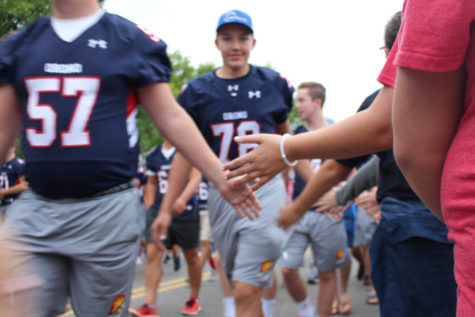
[194, 264]
[344, 306]
[268, 297]
[248, 300]
[228, 299]
[326, 292]
[54, 270]
[295, 285]
[153, 273]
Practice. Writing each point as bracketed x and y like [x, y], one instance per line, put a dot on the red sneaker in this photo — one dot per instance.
[192, 307]
[144, 311]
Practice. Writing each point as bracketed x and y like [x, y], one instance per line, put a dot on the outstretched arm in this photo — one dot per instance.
[177, 127]
[365, 132]
[330, 173]
[426, 112]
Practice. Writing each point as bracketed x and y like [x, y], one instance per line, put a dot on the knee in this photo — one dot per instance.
[246, 293]
[289, 273]
[327, 276]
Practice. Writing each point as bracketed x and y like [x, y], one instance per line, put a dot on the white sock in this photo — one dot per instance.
[268, 307]
[305, 308]
[229, 307]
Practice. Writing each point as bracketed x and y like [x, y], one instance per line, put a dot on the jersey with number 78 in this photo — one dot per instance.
[225, 108]
[78, 101]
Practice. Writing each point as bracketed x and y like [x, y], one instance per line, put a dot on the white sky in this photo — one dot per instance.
[334, 42]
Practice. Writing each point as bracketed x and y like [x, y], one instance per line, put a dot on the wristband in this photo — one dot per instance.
[282, 153]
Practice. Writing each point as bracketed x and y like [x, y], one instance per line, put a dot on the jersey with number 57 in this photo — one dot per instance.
[78, 101]
[225, 108]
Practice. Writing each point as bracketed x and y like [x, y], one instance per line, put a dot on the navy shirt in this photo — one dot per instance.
[225, 108]
[160, 165]
[78, 102]
[10, 176]
[391, 181]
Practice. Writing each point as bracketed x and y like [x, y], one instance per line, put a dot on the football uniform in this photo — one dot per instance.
[205, 226]
[184, 229]
[78, 104]
[9, 176]
[327, 237]
[223, 109]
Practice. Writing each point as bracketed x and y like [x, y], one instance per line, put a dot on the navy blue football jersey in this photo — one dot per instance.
[160, 165]
[9, 177]
[203, 194]
[78, 101]
[225, 108]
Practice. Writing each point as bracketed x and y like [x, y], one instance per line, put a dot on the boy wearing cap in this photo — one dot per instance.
[238, 99]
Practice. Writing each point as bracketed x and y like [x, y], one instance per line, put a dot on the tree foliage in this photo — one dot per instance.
[183, 72]
[17, 13]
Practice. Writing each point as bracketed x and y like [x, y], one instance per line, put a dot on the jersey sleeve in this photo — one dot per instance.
[153, 64]
[286, 89]
[435, 34]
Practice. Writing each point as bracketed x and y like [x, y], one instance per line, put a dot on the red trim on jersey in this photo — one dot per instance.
[132, 103]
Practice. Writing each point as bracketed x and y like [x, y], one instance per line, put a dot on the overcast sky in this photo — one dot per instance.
[334, 42]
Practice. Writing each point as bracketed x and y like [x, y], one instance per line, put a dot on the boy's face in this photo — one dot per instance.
[235, 43]
[305, 106]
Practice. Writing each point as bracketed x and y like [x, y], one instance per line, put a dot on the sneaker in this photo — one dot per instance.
[176, 264]
[144, 311]
[313, 277]
[192, 307]
[166, 258]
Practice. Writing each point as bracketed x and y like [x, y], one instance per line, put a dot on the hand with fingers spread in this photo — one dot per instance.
[241, 197]
[259, 165]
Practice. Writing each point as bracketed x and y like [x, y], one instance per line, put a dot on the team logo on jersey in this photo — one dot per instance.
[267, 266]
[118, 304]
[253, 94]
[97, 43]
[233, 89]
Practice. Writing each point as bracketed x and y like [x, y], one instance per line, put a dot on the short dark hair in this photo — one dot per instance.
[392, 28]
[315, 90]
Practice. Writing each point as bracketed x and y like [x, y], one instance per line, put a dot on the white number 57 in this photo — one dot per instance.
[84, 88]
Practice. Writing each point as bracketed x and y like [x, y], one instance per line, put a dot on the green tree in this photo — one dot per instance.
[17, 13]
[183, 72]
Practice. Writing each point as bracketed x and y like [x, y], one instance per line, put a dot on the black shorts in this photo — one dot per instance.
[186, 234]
[184, 230]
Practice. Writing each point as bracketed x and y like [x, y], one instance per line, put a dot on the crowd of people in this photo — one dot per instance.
[74, 219]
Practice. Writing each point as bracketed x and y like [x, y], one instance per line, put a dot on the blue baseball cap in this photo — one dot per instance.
[235, 17]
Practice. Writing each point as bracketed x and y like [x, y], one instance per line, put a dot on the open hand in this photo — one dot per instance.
[259, 165]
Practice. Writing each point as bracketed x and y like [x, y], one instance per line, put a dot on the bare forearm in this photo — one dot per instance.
[329, 175]
[191, 186]
[365, 132]
[177, 179]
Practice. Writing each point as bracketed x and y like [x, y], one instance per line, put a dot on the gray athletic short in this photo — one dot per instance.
[327, 237]
[83, 248]
[365, 228]
[249, 249]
